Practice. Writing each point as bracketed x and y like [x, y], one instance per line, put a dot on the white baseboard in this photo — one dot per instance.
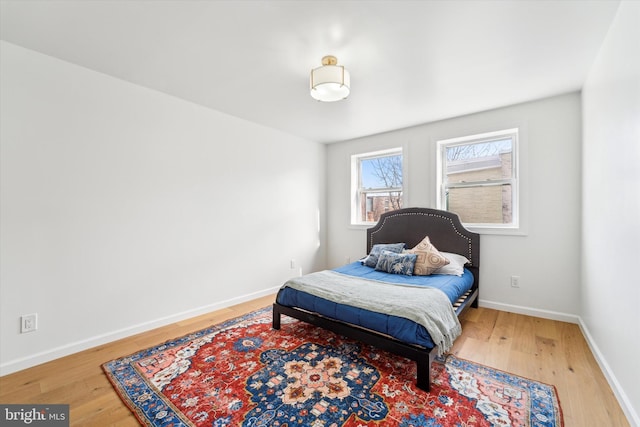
[621, 396]
[535, 312]
[75, 347]
[623, 399]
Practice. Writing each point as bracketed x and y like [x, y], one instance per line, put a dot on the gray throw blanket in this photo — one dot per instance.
[429, 307]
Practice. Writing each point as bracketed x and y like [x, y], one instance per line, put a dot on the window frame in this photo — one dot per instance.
[514, 180]
[357, 190]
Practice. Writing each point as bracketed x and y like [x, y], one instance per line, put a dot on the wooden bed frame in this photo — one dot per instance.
[409, 225]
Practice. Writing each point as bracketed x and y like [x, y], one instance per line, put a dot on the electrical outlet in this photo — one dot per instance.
[28, 323]
[292, 264]
[515, 281]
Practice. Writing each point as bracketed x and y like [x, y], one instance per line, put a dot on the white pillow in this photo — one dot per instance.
[455, 266]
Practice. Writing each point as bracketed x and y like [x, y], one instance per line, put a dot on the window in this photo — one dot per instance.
[477, 179]
[376, 184]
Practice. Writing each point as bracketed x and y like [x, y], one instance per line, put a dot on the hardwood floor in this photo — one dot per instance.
[544, 350]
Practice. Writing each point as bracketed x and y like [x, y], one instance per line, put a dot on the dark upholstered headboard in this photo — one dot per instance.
[411, 225]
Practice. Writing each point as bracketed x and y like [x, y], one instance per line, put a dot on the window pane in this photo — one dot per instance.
[480, 161]
[482, 204]
[381, 172]
[376, 184]
[375, 204]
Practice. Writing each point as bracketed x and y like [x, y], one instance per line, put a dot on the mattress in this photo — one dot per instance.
[400, 328]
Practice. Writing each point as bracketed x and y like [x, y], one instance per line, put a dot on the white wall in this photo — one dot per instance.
[547, 257]
[124, 208]
[611, 206]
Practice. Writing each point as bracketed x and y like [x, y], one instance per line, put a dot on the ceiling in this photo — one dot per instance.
[411, 62]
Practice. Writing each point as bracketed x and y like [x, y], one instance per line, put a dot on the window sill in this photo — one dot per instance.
[361, 225]
[497, 230]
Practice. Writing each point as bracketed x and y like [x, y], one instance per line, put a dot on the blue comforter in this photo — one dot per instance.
[400, 328]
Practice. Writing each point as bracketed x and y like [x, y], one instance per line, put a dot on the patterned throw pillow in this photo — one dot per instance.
[372, 259]
[395, 263]
[429, 259]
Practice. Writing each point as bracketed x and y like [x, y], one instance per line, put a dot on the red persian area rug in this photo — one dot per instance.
[243, 373]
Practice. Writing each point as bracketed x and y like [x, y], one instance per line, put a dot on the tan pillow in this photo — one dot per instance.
[428, 258]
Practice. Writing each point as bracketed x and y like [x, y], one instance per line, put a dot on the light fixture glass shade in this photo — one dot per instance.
[330, 82]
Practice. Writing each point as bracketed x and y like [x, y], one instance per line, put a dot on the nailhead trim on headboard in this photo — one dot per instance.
[467, 238]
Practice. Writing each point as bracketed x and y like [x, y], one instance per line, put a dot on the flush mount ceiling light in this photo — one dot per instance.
[331, 82]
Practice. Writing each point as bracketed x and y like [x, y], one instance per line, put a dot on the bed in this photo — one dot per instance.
[388, 331]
